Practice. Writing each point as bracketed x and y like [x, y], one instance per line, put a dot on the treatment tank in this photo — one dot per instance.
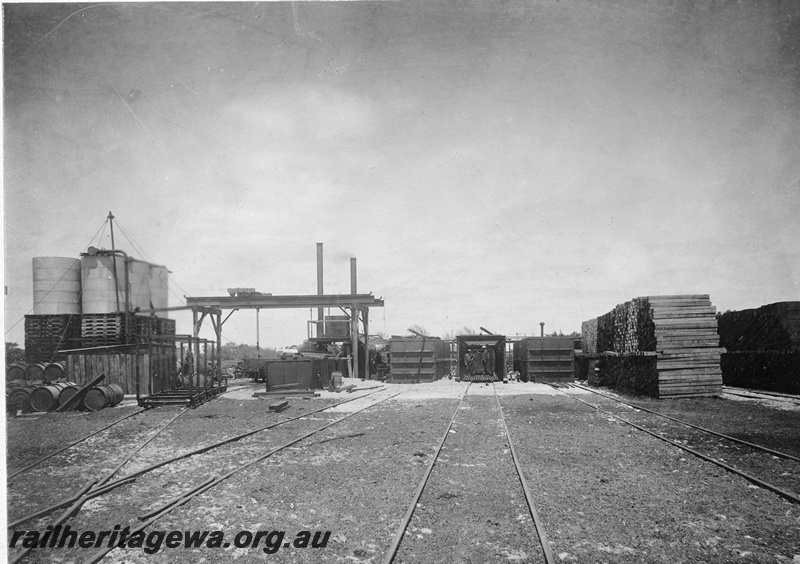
[101, 289]
[56, 285]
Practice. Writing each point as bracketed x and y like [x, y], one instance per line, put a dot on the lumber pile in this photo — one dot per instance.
[669, 345]
[773, 327]
[763, 347]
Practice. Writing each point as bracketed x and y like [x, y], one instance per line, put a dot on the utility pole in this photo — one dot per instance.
[114, 259]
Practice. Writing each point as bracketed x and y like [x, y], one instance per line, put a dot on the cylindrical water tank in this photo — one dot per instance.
[100, 287]
[159, 287]
[149, 285]
[56, 285]
[139, 273]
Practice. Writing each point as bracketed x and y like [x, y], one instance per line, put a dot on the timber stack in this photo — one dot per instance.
[676, 335]
[763, 347]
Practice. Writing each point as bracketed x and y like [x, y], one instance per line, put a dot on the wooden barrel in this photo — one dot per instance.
[19, 400]
[46, 398]
[103, 396]
[35, 371]
[16, 371]
[15, 384]
[55, 371]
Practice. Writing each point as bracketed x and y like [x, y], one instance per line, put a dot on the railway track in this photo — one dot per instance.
[767, 468]
[238, 448]
[756, 394]
[497, 518]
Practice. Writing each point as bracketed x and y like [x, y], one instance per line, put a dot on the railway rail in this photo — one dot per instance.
[436, 459]
[96, 488]
[681, 444]
[757, 394]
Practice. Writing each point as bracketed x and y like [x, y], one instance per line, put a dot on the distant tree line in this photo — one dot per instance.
[237, 352]
[14, 353]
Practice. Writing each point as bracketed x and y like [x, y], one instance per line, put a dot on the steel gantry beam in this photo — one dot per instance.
[287, 301]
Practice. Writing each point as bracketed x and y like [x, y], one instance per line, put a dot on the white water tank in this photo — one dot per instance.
[56, 285]
[149, 285]
[159, 285]
[100, 288]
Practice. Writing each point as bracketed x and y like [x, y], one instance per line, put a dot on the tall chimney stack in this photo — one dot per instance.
[353, 282]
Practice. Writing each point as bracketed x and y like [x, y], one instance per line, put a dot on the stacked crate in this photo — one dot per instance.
[107, 329]
[678, 334]
[45, 335]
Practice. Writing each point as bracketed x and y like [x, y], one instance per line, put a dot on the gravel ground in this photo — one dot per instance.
[606, 492]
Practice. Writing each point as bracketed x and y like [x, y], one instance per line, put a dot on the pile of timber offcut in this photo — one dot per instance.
[680, 331]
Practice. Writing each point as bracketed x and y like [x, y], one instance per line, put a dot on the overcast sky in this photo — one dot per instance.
[495, 164]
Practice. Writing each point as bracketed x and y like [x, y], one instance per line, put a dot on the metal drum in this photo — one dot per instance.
[103, 396]
[46, 398]
[35, 371]
[19, 400]
[68, 393]
[55, 371]
[16, 371]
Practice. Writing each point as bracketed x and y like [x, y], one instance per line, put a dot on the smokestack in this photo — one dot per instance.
[353, 283]
[320, 311]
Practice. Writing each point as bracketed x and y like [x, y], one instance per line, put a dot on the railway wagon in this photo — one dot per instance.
[481, 358]
[545, 359]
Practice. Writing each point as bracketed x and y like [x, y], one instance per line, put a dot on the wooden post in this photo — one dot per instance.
[219, 346]
[195, 348]
[366, 343]
[354, 341]
[354, 316]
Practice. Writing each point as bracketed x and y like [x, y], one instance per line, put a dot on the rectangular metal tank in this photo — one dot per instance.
[545, 359]
[414, 359]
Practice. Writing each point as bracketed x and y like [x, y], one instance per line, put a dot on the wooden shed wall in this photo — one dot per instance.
[146, 369]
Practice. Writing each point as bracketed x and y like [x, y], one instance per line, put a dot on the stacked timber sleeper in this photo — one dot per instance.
[688, 361]
[678, 332]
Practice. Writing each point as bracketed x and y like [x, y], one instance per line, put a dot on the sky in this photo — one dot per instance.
[489, 164]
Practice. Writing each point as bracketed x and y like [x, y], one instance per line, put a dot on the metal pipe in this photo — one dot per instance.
[320, 291]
